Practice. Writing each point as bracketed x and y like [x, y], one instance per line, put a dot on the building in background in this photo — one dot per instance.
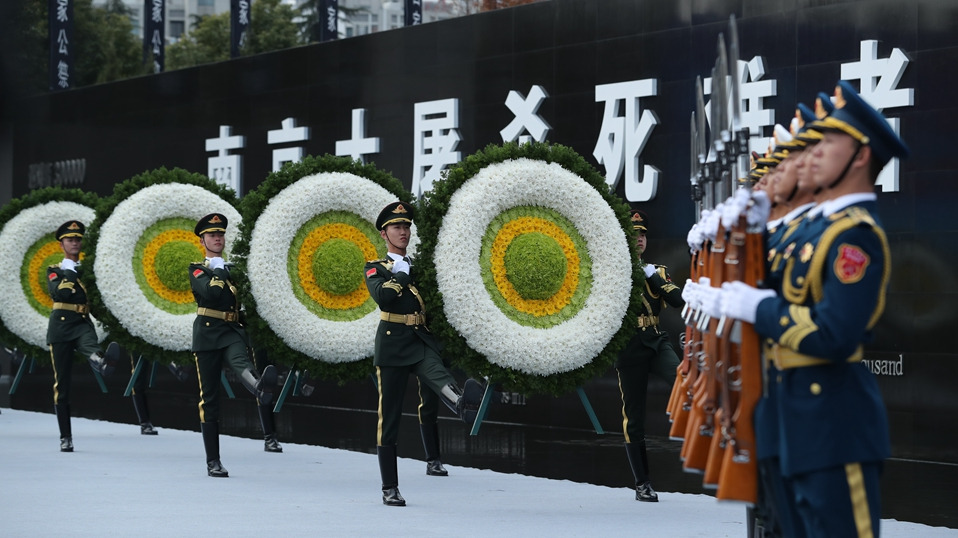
[180, 14]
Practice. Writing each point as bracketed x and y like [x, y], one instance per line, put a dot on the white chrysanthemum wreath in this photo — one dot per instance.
[562, 345]
[313, 229]
[294, 277]
[27, 248]
[533, 270]
[143, 248]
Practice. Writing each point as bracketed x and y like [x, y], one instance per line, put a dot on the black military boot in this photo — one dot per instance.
[464, 403]
[63, 421]
[430, 442]
[211, 442]
[390, 476]
[271, 443]
[263, 386]
[143, 414]
[640, 469]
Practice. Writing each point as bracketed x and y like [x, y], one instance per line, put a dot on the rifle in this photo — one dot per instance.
[677, 401]
[738, 479]
[702, 421]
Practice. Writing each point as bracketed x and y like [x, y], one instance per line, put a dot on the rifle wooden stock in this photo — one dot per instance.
[683, 404]
[701, 425]
[728, 362]
[682, 388]
[738, 479]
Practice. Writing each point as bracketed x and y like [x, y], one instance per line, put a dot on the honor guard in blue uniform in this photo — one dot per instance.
[70, 329]
[404, 345]
[793, 192]
[832, 427]
[219, 337]
[649, 351]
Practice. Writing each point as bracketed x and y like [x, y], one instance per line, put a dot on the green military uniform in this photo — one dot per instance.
[404, 345]
[69, 331]
[220, 339]
[648, 351]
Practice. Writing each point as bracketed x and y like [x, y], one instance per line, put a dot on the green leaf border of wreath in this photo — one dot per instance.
[11, 210]
[251, 207]
[435, 205]
[122, 191]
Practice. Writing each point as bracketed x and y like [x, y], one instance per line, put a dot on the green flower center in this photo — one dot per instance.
[338, 266]
[535, 265]
[171, 258]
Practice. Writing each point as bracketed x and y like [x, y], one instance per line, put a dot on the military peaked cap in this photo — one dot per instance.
[70, 228]
[214, 222]
[394, 213]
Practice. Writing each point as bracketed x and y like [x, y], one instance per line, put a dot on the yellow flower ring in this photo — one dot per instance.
[159, 258]
[553, 261]
[142, 258]
[27, 248]
[305, 264]
[329, 263]
[535, 265]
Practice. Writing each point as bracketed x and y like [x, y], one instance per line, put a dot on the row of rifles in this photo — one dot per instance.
[720, 379]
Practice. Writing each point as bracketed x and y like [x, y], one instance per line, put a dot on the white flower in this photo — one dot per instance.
[468, 306]
[329, 340]
[18, 235]
[117, 241]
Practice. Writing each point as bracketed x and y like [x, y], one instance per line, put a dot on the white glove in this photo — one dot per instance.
[734, 207]
[710, 226]
[688, 293]
[740, 301]
[694, 238]
[400, 266]
[758, 210]
[649, 270]
[68, 265]
[217, 263]
[711, 301]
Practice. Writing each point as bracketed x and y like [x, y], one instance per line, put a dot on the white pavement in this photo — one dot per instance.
[121, 483]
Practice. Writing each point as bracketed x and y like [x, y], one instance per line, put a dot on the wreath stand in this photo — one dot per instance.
[27, 365]
[140, 362]
[490, 392]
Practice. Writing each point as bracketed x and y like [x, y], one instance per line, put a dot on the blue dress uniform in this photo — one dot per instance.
[404, 345]
[71, 331]
[220, 339]
[832, 426]
[648, 351]
[777, 512]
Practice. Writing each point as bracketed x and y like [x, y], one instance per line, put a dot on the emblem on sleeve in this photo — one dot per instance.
[851, 263]
[197, 272]
[370, 272]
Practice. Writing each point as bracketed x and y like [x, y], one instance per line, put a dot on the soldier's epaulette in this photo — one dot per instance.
[383, 260]
[857, 214]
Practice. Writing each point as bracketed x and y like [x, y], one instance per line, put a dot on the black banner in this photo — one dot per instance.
[413, 12]
[61, 43]
[239, 26]
[154, 42]
[328, 20]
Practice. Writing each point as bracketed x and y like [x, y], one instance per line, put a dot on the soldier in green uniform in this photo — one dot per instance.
[649, 351]
[404, 345]
[70, 329]
[219, 337]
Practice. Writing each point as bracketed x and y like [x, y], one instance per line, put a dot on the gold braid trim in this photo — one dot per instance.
[803, 327]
